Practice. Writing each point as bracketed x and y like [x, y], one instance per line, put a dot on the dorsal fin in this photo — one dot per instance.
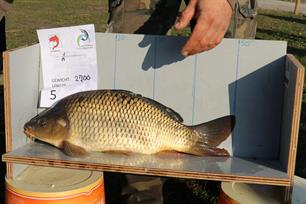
[176, 116]
[170, 112]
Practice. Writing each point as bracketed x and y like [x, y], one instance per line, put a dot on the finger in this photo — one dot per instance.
[187, 15]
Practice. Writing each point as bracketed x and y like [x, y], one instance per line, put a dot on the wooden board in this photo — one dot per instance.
[21, 80]
[294, 82]
[183, 166]
[188, 86]
[258, 100]
[7, 110]
[292, 108]
[240, 77]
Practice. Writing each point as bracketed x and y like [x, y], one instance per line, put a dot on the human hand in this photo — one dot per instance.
[212, 21]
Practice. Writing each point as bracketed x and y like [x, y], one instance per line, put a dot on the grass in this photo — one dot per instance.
[27, 16]
[285, 26]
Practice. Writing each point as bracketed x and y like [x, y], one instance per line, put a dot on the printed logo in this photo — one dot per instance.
[54, 42]
[83, 39]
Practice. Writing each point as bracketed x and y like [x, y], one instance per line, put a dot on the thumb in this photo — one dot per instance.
[187, 15]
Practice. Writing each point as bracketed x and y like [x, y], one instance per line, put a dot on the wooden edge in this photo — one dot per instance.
[295, 124]
[287, 194]
[295, 61]
[21, 47]
[147, 171]
[296, 114]
[7, 110]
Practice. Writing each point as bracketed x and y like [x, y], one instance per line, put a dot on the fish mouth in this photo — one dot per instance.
[32, 136]
[29, 134]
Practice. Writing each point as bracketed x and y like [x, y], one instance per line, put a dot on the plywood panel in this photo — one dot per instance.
[7, 111]
[22, 81]
[174, 77]
[183, 166]
[226, 80]
[290, 81]
[294, 81]
[259, 98]
[132, 54]
[106, 59]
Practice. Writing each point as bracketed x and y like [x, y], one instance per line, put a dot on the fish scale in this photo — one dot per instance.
[128, 112]
[122, 115]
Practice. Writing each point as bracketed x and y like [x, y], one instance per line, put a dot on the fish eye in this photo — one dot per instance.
[42, 122]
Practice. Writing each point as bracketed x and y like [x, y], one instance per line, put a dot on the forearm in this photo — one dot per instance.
[4, 7]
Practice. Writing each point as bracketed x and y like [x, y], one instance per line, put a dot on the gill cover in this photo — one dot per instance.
[49, 126]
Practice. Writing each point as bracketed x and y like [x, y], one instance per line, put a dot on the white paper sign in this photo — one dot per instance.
[68, 59]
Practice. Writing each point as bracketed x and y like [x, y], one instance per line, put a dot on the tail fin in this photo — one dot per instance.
[211, 134]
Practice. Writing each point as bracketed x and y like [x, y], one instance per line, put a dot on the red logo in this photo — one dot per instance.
[54, 42]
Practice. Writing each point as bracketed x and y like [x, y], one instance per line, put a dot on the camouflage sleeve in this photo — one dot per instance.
[233, 3]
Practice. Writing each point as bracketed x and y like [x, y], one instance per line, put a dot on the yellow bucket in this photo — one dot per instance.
[48, 185]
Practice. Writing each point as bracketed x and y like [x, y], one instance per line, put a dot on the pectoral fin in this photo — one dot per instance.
[74, 150]
[212, 151]
[119, 152]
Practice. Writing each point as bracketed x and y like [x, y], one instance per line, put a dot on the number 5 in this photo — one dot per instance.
[53, 95]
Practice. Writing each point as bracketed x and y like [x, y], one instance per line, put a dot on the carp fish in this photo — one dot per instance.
[122, 121]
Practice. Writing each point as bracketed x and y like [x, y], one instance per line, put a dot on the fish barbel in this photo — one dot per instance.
[121, 121]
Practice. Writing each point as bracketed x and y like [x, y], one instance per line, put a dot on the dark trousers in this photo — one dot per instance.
[2, 140]
[2, 41]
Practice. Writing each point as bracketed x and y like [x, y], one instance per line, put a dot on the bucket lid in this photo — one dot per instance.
[41, 181]
[252, 193]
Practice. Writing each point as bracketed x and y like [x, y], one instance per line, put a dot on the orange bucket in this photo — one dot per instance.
[45, 185]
